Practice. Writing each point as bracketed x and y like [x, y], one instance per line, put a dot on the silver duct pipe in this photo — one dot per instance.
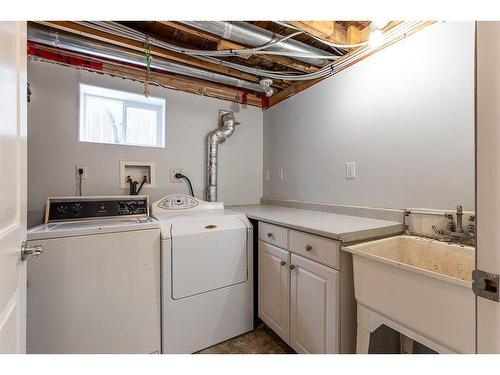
[251, 35]
[75, 43]
[225, 129]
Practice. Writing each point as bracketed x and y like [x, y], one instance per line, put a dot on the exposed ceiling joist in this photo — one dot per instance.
[191, 31]
[155, 51]
[223, 44]
[181, 83]
[192, 73]
[330, 31]
[355, 35]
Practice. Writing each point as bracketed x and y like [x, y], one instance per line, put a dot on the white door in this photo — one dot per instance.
[488, 177]
[13, 186]
[274, 288]
[314, 312]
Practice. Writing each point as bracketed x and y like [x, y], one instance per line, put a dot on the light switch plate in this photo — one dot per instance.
[350, 170]
[281, 174]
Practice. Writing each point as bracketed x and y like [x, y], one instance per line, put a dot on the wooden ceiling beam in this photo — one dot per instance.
[191, 85]
[173, 81]
[292, 90]
[189, 30]
[155, 51]
[282, 60]
[330, 31]
[224, 44]
[355, 35]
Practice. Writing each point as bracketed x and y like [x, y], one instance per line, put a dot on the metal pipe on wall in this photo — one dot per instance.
[225, 129]
[251, 35]
[75, 43]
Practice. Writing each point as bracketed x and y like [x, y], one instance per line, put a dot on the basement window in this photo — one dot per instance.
[121, 118]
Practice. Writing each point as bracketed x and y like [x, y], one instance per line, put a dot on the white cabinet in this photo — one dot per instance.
[299, 297]
[314, 316]
[274, 288]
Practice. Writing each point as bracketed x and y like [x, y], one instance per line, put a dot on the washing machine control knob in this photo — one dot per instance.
[76, 208]
[132, 207]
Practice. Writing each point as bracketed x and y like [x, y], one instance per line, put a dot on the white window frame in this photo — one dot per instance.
[129, 100]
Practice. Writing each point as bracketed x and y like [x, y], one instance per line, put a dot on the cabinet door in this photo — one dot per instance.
[314, 312]
[274, 288]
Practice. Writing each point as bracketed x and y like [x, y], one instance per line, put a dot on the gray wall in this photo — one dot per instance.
[54, 149]
[405, 115]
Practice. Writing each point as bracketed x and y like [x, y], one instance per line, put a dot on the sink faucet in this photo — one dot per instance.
[455, 232]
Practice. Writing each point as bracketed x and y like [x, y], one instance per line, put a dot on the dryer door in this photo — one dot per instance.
[208, 253]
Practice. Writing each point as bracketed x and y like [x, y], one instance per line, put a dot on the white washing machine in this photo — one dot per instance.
[207, 278]
[96, 286]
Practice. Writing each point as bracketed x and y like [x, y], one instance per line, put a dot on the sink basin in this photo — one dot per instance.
[418, 285]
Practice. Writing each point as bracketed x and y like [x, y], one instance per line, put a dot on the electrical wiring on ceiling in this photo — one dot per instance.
[110, 26]
[118, 29]
[127, 32]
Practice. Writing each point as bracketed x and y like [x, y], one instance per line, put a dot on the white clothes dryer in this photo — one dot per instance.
[207, 273]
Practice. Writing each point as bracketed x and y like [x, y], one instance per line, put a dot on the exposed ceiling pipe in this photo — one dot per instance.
[76, 43]
[251, 35]
[225, 129]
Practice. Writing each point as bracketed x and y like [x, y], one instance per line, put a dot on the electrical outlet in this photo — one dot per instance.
[173, 172]
[266, 175]
[84, 175]
[281, 174]
[350, 170]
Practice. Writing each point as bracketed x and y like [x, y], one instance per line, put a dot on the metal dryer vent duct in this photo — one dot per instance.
[251, 35]
[225, 129]
[76, 43]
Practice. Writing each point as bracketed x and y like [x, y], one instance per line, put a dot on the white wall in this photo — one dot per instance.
[54, 149]
[405, 115]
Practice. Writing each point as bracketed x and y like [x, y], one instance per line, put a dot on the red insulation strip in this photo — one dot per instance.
[264, 101]
[244, 97]
[34, 50]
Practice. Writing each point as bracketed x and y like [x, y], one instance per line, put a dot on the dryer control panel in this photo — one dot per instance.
[77, 208]
[178, 202]
[172, 204]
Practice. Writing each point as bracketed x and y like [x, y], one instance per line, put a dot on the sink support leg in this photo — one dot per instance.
[362, 340]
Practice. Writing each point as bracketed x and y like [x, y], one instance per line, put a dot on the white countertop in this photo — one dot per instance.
[343, 228]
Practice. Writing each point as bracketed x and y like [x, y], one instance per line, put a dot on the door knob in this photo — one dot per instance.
[28, 249]
[282, 262]
[292, 266]
[308, 247]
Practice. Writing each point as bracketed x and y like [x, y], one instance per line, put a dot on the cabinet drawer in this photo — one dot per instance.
[317, 248]
[273, 234]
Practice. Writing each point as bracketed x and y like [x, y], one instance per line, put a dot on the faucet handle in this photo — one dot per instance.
[459, 208]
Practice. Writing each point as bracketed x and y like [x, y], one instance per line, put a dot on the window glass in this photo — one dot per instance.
[117, 117]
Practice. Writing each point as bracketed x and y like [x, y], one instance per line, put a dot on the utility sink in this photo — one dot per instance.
[418, 286]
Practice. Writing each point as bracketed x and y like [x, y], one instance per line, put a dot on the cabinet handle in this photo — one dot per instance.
[308, 247]
[292, 266]
[269, 234]
[282, 262]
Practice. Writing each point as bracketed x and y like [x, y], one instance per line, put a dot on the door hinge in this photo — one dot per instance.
[485, 284]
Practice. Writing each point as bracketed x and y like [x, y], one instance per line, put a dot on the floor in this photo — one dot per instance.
[262, 340]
